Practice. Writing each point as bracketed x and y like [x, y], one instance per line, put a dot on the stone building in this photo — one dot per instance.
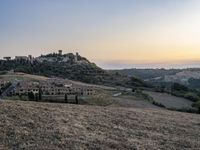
[18, 58]
[26, 87]
[53, 86]
[60, 52]
[7, 58]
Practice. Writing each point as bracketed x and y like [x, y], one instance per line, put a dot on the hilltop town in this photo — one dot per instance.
[54, 57]
[50, 88]
[71, 66]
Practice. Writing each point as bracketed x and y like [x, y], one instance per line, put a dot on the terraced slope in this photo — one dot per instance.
[31, 125]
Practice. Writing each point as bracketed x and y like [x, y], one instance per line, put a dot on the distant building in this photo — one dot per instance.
[30, 57]
[60, 52]
[21, 58]
[53, 86]
[7, 58]
[27, 87]
[76, 57]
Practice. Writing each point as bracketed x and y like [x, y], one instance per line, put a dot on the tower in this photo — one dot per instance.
[60, 52]
[76, 57]
[30, 57]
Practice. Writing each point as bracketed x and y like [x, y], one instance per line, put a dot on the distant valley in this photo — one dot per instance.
[189, 77]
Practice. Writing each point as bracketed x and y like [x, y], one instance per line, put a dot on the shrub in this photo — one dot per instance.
[179, 87]
[192, 96]
[197, 105]
[158, 104]
[31, 96]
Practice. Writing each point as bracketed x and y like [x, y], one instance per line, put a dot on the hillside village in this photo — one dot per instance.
[71, 66]
[54, 57]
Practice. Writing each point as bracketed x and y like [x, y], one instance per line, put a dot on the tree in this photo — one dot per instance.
[197, 105]
[179, 87]
[36, 96]
[66, 98]
[31, 96]
[136, 82]
[192, 96]
[40, 94]
[76, 98]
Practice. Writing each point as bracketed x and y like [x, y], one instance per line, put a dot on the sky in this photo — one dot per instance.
[112, 33]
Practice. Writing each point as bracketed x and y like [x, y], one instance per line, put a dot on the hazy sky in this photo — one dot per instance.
[112, 33]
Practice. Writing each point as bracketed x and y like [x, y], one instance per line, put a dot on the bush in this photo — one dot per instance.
[31, 96]
[192, 96]
[179, 87]
[136, 82]
[3, 72]
[197, 105]
[158, 104]
[160, 89]
[184, 110]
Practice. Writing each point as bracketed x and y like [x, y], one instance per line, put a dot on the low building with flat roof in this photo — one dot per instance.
[21, 58]
[7, 58]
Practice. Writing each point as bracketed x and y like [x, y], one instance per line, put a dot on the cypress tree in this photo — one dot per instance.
[66, 98]
[76, 98]
[40, 94]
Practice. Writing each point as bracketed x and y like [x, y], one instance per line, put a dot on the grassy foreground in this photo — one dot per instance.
[31, 125]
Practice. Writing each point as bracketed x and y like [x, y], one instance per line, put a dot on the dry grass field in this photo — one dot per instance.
[45, 126]
[22, 76]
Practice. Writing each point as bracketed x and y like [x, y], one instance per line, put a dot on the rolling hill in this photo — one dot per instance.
[68, 66]
[189, 77]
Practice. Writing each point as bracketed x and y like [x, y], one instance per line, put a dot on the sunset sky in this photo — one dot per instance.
[111, 33]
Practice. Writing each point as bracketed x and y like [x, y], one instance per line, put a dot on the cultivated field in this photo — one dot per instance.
[43, 126]
[133, 102]
[170, 101]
